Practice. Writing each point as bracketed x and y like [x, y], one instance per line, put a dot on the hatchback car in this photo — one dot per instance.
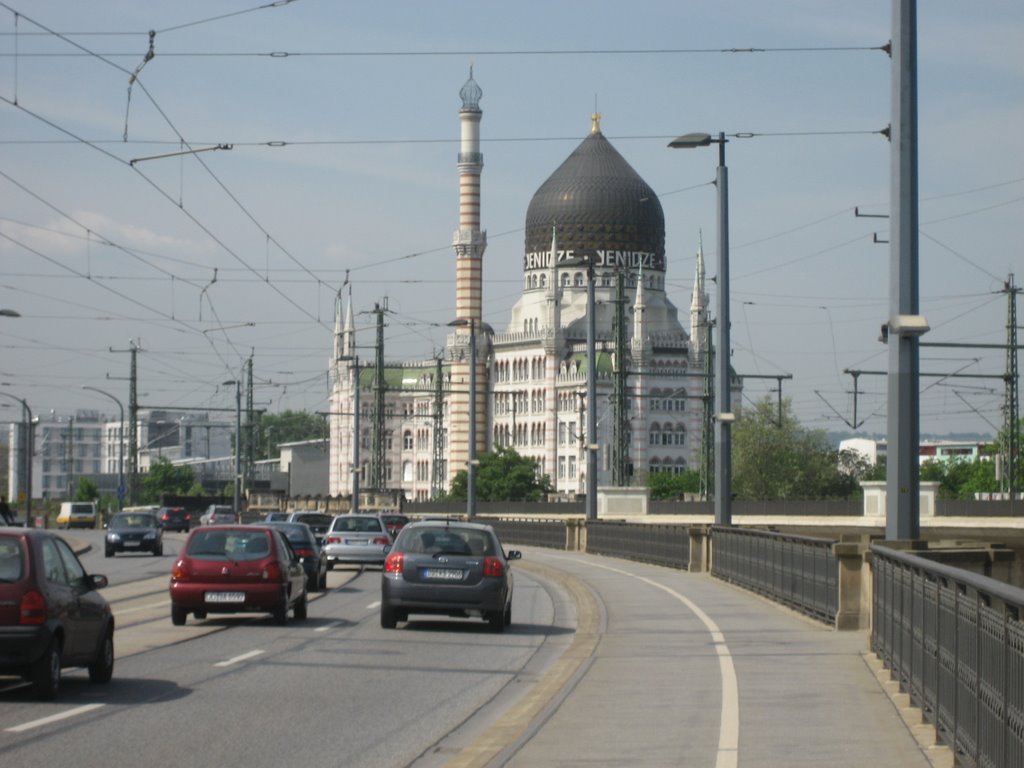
[313, 559]
[218, 514]
[133, 532]
[51, 614]
[237, 569]
[77, 514]
[356, 539]
[448, 569]
[175, 519]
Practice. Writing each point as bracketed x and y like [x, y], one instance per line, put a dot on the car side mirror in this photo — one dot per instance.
[98, 582]
[515, 554]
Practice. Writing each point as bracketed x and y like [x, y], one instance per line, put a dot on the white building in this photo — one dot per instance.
[652, 372]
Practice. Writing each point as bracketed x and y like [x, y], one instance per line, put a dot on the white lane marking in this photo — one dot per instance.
[161, 604]
[729, 720]
[54, 718]
[373, 605]
[328, 627]
[237, 659]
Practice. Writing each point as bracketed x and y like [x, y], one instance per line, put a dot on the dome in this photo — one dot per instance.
[598, 202]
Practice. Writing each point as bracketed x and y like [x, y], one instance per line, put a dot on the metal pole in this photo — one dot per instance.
[26, 414]
[591, 502]
[238, 447]
[902, 521]
[471, 453]
[723, 390]
[355, 445]
[120, 445]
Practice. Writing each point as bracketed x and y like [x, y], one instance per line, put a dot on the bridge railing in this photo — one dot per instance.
[798, 571]
[954, 641]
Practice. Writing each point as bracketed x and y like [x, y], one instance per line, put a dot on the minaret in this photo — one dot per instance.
[640, 342]
[469, 243]
[341, 437]
[699, 306]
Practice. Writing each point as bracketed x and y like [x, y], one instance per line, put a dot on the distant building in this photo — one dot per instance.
[929, 450]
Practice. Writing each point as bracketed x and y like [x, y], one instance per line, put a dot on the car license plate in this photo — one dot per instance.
[445, 574]
[132, 543]
[359, 542]
[225, 597]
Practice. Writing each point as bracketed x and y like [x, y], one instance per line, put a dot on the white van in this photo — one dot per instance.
[77, 514]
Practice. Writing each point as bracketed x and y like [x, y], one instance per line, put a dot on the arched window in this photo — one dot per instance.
[407, 441]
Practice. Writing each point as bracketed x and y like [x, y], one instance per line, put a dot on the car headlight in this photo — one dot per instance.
[113, 538]
[150, 535]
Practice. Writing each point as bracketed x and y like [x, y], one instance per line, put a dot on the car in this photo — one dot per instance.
[275, 517]
[175, 519]
[218, 514]
[449, 569]
[319, 522]
[313, 559]
[52, 615]
[77, 514]
[133, 532]
[237, 569]
[356, 539]
[394, 522]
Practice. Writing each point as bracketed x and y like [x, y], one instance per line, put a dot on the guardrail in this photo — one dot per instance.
[531, 532]
[954, 641]
[661, 544]
[798, 571]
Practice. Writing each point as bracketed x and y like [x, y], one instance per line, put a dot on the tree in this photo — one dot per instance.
[666, 485]
[503, 475]
[783, 460]
[288, 427]
[86, 490]
[164, 477]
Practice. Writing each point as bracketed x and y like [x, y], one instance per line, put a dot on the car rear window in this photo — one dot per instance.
[133, 521]
[81, 509]
[357, 524]
[312, 519]
[454, 541]
[229, 545]
[12, 565]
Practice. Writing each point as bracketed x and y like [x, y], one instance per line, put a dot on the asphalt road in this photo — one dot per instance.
[607, 663]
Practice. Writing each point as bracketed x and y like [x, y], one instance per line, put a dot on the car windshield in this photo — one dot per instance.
[10, 560]
[229, 545]
[363, 524]
[445, 540]
[132, 521]
[296, 534]
[312, 518]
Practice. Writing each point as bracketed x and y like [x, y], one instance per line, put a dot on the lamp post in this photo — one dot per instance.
[591, 501]
[120, 445]
[723, 392]
[238, 443]
[27, 451]
[471, 460]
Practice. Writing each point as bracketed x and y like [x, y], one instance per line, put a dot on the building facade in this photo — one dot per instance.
[408, 425]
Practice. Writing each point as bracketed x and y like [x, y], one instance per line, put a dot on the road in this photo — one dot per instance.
[607, 663]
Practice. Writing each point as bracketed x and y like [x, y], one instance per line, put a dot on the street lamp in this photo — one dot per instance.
[471, 460]
[27, 451]
[120, 445]
[723, 406]
[238, 443]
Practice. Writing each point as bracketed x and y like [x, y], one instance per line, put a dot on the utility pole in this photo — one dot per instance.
[377, 466]
[250, 432]
[1011, 407]
[438, 470]
[707, 429]
[620, 374]
[133, 419]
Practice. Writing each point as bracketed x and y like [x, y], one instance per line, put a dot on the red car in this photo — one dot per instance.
[237, 569]
[51, 614]
[394, 522]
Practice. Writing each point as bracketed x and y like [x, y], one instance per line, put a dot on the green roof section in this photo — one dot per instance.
[604, 361]
[400, 377]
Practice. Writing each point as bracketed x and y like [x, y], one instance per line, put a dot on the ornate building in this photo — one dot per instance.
[594, 218]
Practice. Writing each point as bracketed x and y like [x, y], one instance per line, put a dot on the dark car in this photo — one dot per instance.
[175, 519]
[51, 614]
[314, 561]
[237, 569]
[448, 569]
[318, 522]
[133, 532]
[394, 522]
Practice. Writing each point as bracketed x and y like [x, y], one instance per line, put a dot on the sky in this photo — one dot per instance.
[329, 133]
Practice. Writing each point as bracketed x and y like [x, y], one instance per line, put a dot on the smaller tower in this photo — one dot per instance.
[699, 307]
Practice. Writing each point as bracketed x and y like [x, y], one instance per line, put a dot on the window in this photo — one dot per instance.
[407, 441]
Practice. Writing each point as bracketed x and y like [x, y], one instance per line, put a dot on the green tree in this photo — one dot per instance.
[784, 460]
[86, 490]
[288, 427]
[503, 475]
[665, 485]
[164, 477]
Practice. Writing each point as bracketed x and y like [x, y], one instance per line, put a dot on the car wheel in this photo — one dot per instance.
[159, 551]
[388, 619]
[300, 609]
[330, 566]
[323, 581]
[496, 621]
[108, 552]
[178, 616]
[200, 615]
[312, 584]
[280, 612]
[102, 669]
[45, 672]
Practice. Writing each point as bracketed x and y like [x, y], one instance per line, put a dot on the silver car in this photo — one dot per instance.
[447, 568]
[356, 539]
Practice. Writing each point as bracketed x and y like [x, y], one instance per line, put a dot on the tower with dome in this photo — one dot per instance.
[531, 374]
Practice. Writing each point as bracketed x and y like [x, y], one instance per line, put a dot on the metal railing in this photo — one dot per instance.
[955, 643]
[798, 571]
[530, 532]
[665, 544]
